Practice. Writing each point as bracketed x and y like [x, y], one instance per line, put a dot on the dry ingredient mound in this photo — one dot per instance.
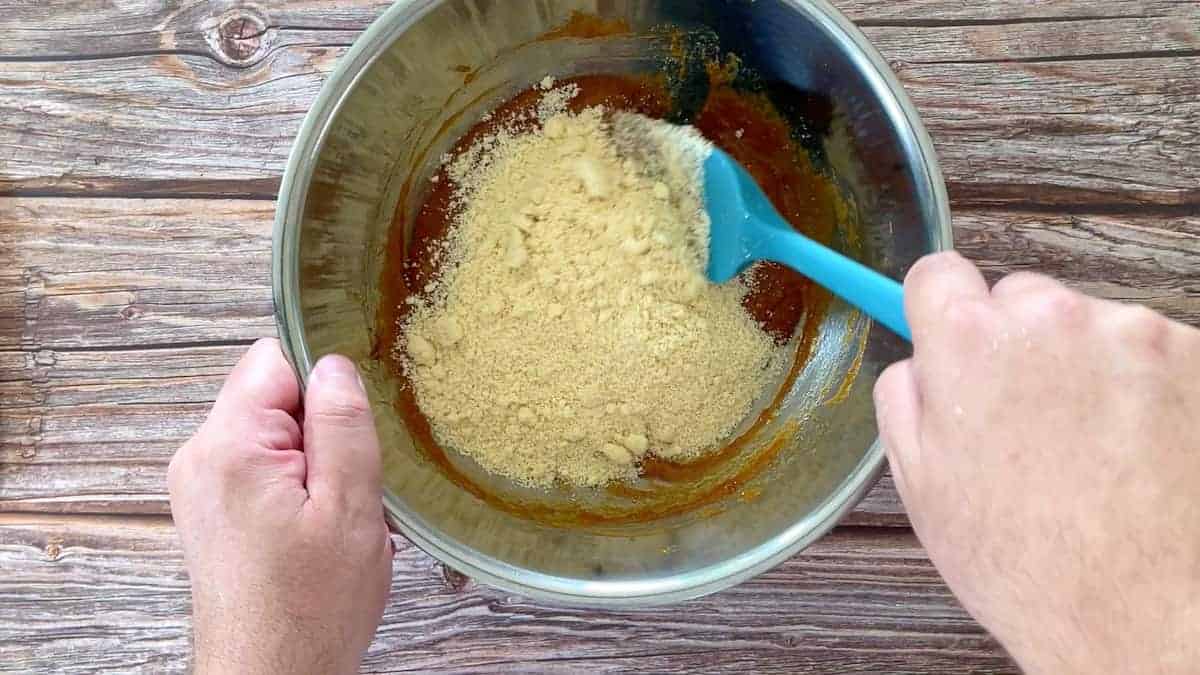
[571, 331]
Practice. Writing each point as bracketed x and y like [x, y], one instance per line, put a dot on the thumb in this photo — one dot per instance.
[340, 443]
[898, 411]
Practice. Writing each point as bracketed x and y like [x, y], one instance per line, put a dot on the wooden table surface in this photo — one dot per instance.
[141, 148]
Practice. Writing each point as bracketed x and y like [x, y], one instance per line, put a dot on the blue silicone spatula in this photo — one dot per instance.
[746, 228]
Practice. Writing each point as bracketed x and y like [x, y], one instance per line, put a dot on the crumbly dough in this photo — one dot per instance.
[571, 331]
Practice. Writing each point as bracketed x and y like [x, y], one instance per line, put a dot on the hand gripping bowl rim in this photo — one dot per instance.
[286, 293]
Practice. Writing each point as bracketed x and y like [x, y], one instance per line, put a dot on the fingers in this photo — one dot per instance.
[1142, 328]
[262, 380]
[258, 403]
[937, 282]
[1021, 284]
[949, 307]
[898, 410]
[1039, 302]
[340, 442]
[253, 412]
[249, 448]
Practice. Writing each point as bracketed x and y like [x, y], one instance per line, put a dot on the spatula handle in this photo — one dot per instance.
[879, 297]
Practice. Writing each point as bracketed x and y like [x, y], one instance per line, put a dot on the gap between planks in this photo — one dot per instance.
[965, 197]
[1017, 110]
[86, 429]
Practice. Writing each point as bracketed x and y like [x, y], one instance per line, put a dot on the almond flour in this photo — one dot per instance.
[571, 331]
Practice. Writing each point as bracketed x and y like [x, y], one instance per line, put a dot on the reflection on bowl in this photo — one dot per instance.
[415, 83]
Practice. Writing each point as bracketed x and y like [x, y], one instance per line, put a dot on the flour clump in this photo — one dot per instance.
[570, 332]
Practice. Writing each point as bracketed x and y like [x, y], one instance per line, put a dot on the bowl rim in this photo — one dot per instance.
[543, 587]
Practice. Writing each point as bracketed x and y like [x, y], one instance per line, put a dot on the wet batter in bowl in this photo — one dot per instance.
[571, 330]
[581, 434]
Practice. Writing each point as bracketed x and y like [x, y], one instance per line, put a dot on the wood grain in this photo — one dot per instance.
[121, 273]
[94, 595]
[1069, 133]
[925, 13]
[99, 29]
[1150, 260]
[92, 432]
[87, 274]
[94, 399]
[1091, 39]
[1047, 103]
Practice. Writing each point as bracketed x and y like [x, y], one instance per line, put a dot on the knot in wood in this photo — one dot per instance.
[240, 37]
[54, 548]
[456, 581]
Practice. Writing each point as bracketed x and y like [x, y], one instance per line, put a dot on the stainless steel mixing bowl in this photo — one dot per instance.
[398, 100]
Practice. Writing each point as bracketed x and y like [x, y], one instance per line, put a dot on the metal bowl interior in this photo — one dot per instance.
[398, 100]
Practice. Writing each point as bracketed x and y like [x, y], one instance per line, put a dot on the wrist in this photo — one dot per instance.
[238, 650]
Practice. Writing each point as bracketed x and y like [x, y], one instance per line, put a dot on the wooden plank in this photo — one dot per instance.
[1049, 40]
[112, 273]
[1150, 260]
[1094, 134]
[924, 13]
[102, 595]
[1101, 109]
[92, 432]
[82, 274]
[88, 425]
[97, 29]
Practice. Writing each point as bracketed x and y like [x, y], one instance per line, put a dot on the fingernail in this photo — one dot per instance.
[336, 370]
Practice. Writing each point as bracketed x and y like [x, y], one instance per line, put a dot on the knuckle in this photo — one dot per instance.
[270, 419]
[345, 411]
[282, 465]
[965, 315]
[1022, 282]
[175, 469]
[1143, 328]
[890, 382]
[1058, 303]
[185, 461]
[214, 453]
[276, 429]
[230, 465]
[930, 266]
[225, 465]
[263, 347]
